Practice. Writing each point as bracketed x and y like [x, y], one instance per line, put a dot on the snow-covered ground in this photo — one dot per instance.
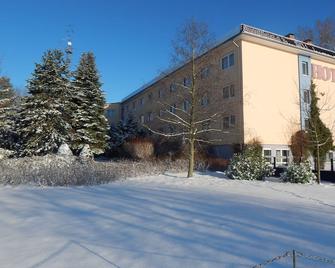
[166, 221]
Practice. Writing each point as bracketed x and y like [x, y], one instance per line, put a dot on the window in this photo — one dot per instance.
[226, 122]
[267, 153]
[232, 91]
[161, 113]
[232, 122]
[134, 105]
[187, 82]
[142, 119]
[229, 121]
[205, 125]
[307, 96]
[127, 108]
[150, 96]
[173, 108]
[110, 113]
[186, 105]
[205, 100]
[141, 101]
[173, 87]
[228, 61]
[160, 93]
[231, 59]
[150, 117]
[282, 157]
[204, 73]
[171, 129]
[304, 67]
[228, 92]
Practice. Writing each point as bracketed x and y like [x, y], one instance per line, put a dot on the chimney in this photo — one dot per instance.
[308, 41]
[290, 36]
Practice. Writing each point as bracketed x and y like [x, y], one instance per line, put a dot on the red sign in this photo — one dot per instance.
[323, 73]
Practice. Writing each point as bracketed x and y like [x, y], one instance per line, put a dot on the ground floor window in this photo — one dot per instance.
[282, 157]
[267, 154]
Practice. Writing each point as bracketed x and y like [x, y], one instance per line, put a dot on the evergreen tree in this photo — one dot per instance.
[124, 131]
[8, 105]
[88, 120]
[319, 136]
[44, 116]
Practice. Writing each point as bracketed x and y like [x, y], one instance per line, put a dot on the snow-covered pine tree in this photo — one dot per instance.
[8, 105]
[125, 130]
[44, 117]
[88, 119]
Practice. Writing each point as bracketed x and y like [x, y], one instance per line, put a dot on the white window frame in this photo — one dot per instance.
[204, 73]
[205, 100]
[232, 125]
[280, 161]
[173, 108]
[228, 89]
[227, 58]
[304, 67]
[186, 105]
[266, 157]
[307, 93]
[224, 125]
[173, 87]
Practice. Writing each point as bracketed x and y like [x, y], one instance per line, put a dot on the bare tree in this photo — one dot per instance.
[322, 33]
[191, 117]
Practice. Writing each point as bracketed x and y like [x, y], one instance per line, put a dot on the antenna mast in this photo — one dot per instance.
[69, 48]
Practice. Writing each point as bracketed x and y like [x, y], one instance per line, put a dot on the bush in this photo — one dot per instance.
[215, 163]
[139, 148]
[52, 170]
[254, 147]
[299, 146]
[248, 165]
[298, 173]
[169, 148]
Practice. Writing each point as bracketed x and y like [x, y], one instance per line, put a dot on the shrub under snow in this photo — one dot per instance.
[53, 170]
[248, 166]
[139, 148]
[298, 173]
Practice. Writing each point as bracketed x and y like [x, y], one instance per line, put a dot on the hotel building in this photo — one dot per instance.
[261, 80]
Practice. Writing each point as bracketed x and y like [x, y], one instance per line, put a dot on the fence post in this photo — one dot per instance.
[294, 258]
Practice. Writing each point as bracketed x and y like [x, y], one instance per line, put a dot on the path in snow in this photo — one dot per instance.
[166, 221]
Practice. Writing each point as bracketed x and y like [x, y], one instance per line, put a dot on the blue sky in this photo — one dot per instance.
[131, 39]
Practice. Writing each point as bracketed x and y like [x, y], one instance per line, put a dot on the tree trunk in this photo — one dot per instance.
[318, 173]
[191, 159]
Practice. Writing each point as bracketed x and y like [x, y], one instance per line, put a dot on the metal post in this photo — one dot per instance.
[332, 164]
[294, 258]
[274, 162]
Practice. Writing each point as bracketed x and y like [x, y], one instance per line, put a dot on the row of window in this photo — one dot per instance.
[282, 156]
[228, 121]
[226, 62]
[227, 92]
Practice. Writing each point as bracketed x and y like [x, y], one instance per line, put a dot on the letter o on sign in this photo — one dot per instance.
[327, 75]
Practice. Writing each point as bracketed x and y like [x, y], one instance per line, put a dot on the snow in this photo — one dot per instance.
[166, 221]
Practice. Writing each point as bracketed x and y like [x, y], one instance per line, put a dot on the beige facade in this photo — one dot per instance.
[266, 83]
